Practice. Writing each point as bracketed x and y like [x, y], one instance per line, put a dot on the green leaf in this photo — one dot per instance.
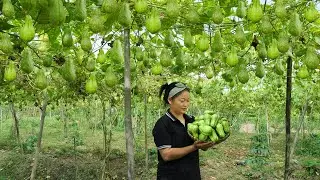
[4, 25]
[317, 40]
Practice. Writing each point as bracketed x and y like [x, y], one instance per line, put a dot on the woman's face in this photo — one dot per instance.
[180, 103]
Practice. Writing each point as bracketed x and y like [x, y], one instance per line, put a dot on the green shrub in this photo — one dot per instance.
[29, 144]
[309, 146]
[312, 167]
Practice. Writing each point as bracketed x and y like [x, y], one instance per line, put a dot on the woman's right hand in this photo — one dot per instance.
[203, 145]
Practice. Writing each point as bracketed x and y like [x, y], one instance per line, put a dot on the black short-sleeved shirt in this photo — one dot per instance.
[169, 132]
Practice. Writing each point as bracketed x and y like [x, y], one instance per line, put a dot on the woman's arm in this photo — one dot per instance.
[169, 154]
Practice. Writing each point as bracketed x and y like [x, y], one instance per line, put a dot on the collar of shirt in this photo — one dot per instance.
[173, 118]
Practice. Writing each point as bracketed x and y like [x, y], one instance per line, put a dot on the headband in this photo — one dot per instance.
[179, 87]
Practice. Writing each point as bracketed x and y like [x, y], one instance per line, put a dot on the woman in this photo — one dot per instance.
[178, 153]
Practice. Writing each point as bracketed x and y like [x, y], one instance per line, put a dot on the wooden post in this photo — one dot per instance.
[75, 157]
[64, 119]
[288, 118]
[15, 123]
[104, 128]
[268, 133]
[127, 106]
[38, 149]
[145, 130]
[301, 118]
[1, 119]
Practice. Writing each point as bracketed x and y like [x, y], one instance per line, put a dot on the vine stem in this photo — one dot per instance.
[34, 51]
[265, 4]
[246, 51]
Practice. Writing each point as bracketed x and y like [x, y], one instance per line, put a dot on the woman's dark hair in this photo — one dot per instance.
[166, 88]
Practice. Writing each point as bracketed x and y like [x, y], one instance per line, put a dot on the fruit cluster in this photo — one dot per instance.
[209, 127]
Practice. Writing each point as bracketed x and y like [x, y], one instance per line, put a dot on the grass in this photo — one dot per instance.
[59, 161]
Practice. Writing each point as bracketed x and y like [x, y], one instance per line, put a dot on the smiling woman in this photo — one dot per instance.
[178, 155]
